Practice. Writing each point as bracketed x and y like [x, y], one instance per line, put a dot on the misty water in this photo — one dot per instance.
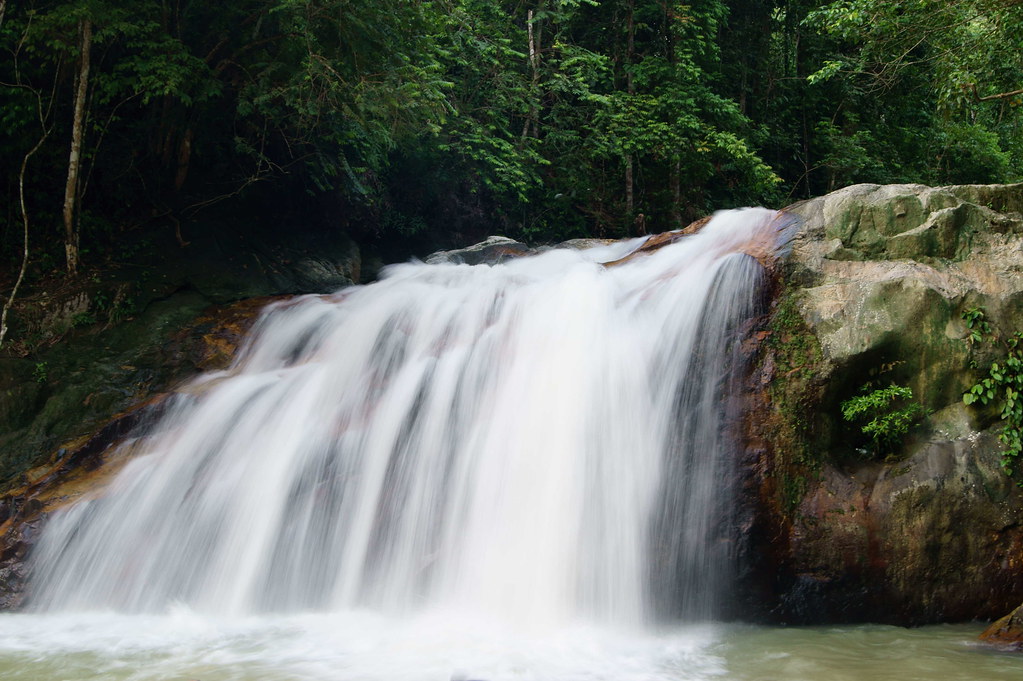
[366, 646]
[518, 471]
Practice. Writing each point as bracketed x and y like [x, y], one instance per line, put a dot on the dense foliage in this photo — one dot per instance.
[436, 121]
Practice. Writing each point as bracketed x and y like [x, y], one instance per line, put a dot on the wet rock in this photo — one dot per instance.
[73, 388]
[493, 250]
[1007, 631]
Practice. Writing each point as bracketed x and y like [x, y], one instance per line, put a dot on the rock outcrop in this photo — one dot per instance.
[874, 295]
[1007, 631]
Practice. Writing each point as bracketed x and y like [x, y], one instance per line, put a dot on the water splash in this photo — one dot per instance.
[540, 441]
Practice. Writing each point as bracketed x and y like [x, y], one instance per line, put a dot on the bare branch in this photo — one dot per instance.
[192, 210]
[99, 142]
[24, 223]
[988, 98]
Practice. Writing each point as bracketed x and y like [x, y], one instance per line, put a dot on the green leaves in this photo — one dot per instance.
[1004, 382]
[960, 60]
[885, 414]
[977, 325]
[830, 68]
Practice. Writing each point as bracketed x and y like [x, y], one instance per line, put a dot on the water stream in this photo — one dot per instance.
[494, 472]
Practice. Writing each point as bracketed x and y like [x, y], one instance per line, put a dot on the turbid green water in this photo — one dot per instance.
[444, 646]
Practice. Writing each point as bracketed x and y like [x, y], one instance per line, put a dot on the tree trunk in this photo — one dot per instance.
[629, 189]
[74, 161]
[184, 157]
[3, 9]
[534, 35]
[24, 223]
[676, 194]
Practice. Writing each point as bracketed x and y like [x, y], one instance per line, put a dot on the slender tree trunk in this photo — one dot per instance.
[534, 35]
[184, 157]
[24, 224]
[629, 189]
[3, 9]
[676, 193]
[74, 161]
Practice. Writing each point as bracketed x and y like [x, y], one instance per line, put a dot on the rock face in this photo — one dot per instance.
[929, 530]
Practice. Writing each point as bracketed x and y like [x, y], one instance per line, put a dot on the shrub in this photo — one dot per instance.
[886, 415]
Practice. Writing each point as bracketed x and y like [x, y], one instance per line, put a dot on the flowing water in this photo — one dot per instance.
[509, 472]
[362, 646]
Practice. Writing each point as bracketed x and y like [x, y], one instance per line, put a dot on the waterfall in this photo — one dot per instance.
[542, 440]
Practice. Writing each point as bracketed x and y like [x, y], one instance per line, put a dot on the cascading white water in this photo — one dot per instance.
[539, 441]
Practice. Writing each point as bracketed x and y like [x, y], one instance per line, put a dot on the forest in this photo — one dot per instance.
[415, 124]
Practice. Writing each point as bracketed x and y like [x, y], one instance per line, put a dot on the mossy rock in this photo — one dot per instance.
[880, 277]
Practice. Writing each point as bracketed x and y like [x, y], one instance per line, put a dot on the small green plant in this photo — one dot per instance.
[83, 319]
[41, 372]
[101, 302]
[977, 325]
[1004, 381]
[122, 308]
[885, 414]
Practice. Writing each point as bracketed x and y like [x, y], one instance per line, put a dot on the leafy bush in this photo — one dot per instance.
[886, 414]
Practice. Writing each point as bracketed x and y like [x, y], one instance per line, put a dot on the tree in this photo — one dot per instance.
[967, 55]
[71, 237]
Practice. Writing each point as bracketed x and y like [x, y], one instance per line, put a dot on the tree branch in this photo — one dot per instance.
[24, 223]
[988, 98]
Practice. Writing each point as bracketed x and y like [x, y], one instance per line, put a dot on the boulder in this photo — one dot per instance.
[492, 250]
[874, 295]
[1007, 631]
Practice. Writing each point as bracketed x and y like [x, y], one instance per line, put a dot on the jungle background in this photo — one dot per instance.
[129, 128]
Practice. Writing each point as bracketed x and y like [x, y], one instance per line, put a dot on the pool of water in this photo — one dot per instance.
[183, 645]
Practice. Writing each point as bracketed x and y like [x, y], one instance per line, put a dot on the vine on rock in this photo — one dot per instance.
[1004, 382]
